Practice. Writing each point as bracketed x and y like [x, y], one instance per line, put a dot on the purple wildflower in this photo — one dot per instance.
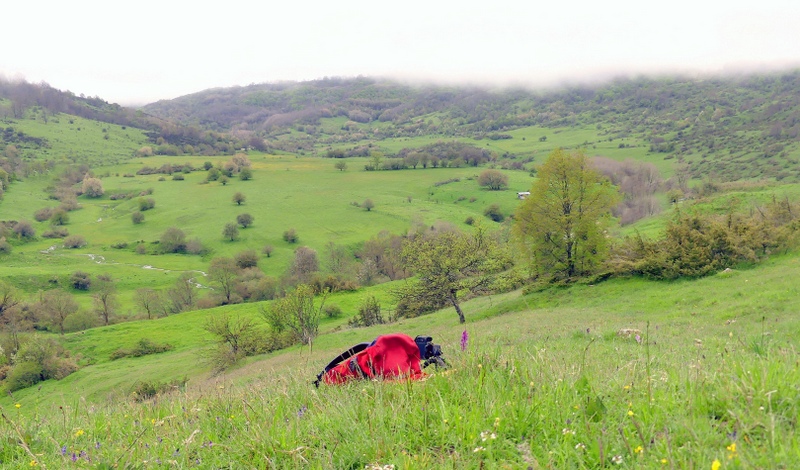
[638, 339]
[74, 457]
[302, 411]
[464, 340]
[96, 445]
[64, 450]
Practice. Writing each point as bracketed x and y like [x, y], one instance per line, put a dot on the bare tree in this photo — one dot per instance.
[105, 299]
[149, 300]
[57, 305]
[224, 272]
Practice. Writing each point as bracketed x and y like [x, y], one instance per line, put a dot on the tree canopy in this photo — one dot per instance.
[561, 226]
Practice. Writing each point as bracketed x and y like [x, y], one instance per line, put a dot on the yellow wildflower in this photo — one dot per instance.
[79, 433]
[630, 413]
[17, 405]
[638, 450]
[715, 465]
[34, 463]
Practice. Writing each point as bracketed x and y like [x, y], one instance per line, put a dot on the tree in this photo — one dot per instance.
[447, 264]
[92, 187]
[224, 272]
[105, 299]
[148, 300]
[493, 179]
[173, 240]
[231, 232]
[296, 313]
[340, 165]
[494, 212]
[239, 198]
[57, 305]
[10, 297]
[368, 204]
[246, 174]
[181, 296]
[304, 265]
[561, 225]
[246, 259]
[245, 220]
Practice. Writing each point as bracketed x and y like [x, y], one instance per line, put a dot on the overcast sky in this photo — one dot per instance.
[142, 51]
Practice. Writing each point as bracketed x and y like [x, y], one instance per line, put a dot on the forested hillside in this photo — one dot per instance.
[726, 128]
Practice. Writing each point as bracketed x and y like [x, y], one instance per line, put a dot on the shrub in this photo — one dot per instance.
[246, 259]
[469, 220]
[173, 240]
[195, 247]
[137, 217]
[56, 232]
[74, 241]
[24, 230]
[332, 311]
[5, 247]
[92, 187]
[150, 388]
[80, 280]
[290, 236]
[493, 212]
[177, 177]
[43, 214]
[369, 313]
[246, 174]
[59, 217]
[146, 204]
[23, 375]
[143, 347]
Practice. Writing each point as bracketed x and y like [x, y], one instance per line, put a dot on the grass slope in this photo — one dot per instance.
[545, 381]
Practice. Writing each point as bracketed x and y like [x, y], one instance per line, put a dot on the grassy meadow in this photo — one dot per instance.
[627, 373]
[623, 374]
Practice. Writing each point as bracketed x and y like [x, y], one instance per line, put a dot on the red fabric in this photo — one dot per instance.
[392, 356]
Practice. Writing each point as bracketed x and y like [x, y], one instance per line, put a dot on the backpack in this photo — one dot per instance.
[388, 356]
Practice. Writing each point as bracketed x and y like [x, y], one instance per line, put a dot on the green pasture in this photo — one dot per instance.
[555, 378]
[72, 139]
[307, 194]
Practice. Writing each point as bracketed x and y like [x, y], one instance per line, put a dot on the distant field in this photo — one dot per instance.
[307, 194]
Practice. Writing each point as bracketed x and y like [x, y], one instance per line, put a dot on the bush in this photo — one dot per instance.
[80, 280]
[246, 259]
[145, 204]
[290, 236]
[143, 347]
[369, 313]
[173, 240]
[332, 311]
[59, 217]
[267, 250]
[5, 247]
[74, 241]
[24, 230]
[43, 214]
[56, 232]
[23, 375]
[150, 388]
[493, 212]
[137, 217]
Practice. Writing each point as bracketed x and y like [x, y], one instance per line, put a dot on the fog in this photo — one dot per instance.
[146, 51]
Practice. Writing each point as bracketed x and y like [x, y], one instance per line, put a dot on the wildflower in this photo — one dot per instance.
[630, 412]
[663, 461]
[626, 387]
[79, 433]
[74, 457]
[638, 450]
[580, 446]
[478, 449]
[302, 411]
[531, 384]
[17, 405]
[96, 445]
[638, 339]
[566, 431]
[464, 340]
[732, 447]
[34, 463]
[617, 459]
[715, 465]
[497, 422]
[487, 435]
[64, 450]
